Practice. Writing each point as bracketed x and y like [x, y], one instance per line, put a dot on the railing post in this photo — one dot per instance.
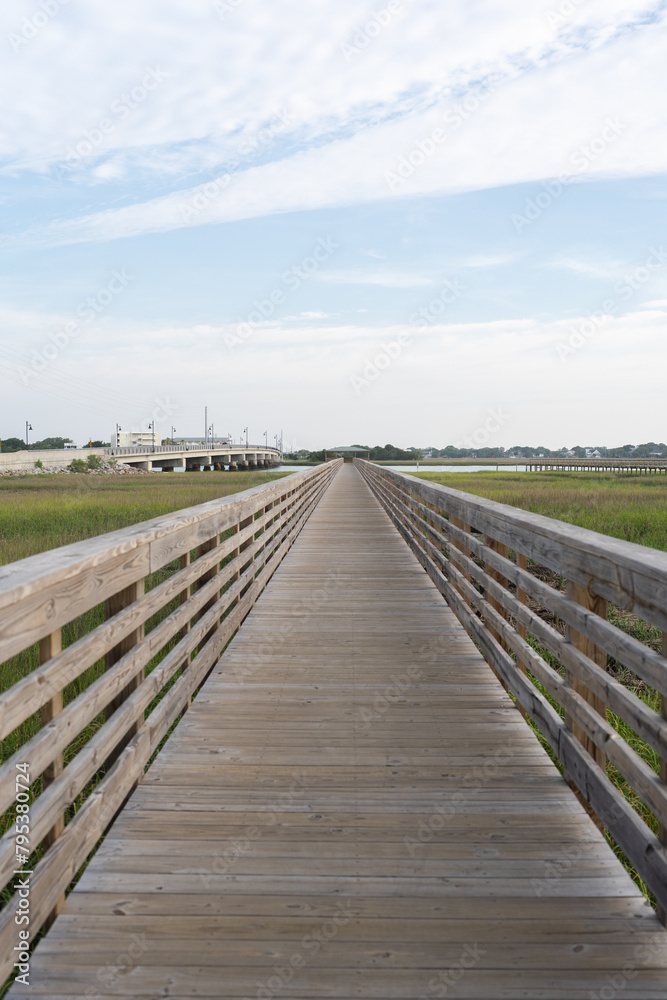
[206, 577]
[662, 830]
[244, 524]
[522, 597]
[598, 605]
[184, 597]
[458, 523]
[502, 550]
[114, 604]
[49, 647]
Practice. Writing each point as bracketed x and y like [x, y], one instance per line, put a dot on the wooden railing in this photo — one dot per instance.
[165, 597]
[477, 552]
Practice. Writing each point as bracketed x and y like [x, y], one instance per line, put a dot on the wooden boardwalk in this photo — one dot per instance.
[352, 807]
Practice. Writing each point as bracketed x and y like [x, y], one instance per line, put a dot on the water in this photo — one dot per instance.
[456, 468]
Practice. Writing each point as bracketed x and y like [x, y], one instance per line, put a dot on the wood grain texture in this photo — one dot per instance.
[351, 807]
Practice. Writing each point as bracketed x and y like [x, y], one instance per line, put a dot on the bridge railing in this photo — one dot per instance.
[550, 642]
[102, 646]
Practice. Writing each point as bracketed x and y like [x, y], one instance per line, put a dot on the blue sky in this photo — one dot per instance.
[353, 221]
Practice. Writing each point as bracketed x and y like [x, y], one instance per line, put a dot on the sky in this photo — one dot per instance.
[407, 222]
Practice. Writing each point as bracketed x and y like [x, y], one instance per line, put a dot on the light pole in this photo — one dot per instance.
[266, 440]
[245, 431]
[118, 430]
[173, 435]
[28, 427]
[152, 428]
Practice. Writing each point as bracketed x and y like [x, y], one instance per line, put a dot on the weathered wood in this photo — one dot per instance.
[589, 689]
[435, 821]
[598, 605]
[522, 598]
[118, 602]
[631, 576]
[123, 690]
[49, 647]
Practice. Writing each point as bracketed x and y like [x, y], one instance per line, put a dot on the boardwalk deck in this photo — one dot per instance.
[352, 807]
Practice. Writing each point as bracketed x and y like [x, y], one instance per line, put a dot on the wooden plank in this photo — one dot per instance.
[350, 753]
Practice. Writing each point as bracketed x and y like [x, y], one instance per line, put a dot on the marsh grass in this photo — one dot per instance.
[630, 507]
[44, 513]
[625, 506]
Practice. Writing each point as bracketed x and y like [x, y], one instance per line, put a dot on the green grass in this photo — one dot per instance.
[631, 507]
[43, 512]
[37, 514]
[625, 506]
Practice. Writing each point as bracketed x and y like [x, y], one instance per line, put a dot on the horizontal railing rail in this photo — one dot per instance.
[211, 446]
[479, 554]
[85, 718]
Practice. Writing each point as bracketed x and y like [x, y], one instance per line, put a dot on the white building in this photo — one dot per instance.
[136, 439]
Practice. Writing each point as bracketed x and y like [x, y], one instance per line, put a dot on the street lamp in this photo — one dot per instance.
[173, 435]
[118, 430]
[266, 440]
[28, 427]
[151, 427]
[245, 431]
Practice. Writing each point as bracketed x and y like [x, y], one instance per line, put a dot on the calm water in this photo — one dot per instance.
[457, 468]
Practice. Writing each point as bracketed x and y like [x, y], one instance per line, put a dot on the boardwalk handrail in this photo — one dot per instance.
[173, 590]
[477, 551]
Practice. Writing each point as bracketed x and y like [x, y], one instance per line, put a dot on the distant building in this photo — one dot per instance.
[136, 439]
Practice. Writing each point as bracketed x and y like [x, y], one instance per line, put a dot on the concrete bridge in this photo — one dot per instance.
[350, 802]
[166, 457]
[194, 457]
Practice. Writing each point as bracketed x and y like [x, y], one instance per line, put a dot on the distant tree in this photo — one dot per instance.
[12, 444]
[100, 444]
[94, 462]
[49, 444]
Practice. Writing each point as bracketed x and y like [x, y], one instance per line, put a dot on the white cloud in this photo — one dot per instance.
[588, 268]
[302, 373]
[346, 127]
[386, 279]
